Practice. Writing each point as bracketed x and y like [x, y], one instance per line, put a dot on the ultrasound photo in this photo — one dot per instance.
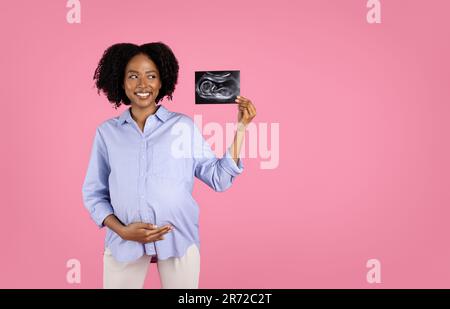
[216, 87]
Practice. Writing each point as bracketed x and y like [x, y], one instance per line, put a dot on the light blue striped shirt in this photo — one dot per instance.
[142, 177]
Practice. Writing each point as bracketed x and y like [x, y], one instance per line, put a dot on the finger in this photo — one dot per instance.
[155, 237]
[166, 227]
[240, 101]
[153, 232]
[250, 106]
[246, 114]
[157, 233]
[243, 104]
[252, 109]
[165, 231]
[141, 225]
[241, 98]
[246, 108]
[147, 226]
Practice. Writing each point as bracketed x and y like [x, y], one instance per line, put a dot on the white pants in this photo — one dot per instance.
[174, 273]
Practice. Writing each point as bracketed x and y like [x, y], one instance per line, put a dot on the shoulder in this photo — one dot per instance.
[181, 120]
[108, 126]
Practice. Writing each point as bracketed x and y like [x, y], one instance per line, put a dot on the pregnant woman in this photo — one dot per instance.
[137, 184]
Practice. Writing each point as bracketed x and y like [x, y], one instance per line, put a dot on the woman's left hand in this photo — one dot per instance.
[247, 110]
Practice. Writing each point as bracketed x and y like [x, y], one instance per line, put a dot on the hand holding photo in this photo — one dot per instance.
[216, 87]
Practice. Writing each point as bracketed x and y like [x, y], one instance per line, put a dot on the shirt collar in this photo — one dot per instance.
[162, 113]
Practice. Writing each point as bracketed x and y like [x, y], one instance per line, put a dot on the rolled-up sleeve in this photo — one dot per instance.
[95, 189]
[216, 173]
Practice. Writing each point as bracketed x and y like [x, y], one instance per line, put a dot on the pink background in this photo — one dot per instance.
[364, 138]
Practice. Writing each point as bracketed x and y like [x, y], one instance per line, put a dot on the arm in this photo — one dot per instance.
[114, 224]
[247, 112]
[219, 173]
[95, 187]
[237, 142]
[138, 231]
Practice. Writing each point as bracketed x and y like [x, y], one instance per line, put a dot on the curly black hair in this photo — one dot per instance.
[110, 71]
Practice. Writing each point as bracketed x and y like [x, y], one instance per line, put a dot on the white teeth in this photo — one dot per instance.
[143, 94]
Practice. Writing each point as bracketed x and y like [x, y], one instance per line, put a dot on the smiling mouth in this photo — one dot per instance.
[143, 95]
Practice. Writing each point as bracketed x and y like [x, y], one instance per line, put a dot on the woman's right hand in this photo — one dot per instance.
[144, 232]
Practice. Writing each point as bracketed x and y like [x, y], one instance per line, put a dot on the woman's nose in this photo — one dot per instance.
[143, 82]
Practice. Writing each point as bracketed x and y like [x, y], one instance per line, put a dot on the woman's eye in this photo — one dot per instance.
[149, 76]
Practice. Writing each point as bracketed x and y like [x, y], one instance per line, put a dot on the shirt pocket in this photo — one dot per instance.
[164, 164]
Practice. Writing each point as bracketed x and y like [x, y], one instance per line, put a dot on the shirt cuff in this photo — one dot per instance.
[230, 166]
[101, 211]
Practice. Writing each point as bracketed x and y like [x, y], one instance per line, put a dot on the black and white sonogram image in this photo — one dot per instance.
[216, 87]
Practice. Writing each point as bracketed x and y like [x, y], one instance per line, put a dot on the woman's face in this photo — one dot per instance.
[142, 81]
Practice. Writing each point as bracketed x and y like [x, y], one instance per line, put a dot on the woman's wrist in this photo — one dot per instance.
[241, 126]
[114, 224]
[122, 231]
